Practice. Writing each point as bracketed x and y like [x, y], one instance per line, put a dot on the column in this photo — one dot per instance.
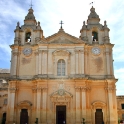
[82, 61]
[44, 119]
[78, 118]
[39, 61]
[83, 102]
[76, 60]
[11, 105]
[36, 70]
[38, 109]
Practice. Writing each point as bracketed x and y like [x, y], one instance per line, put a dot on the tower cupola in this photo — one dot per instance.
[93, 18]
[93, 32]
[30, 18]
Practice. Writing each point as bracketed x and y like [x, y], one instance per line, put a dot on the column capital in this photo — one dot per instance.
[40, 51]
[107, 52]
[34, 90]
[39, 89]
[15, 53]
[76, 51]
[13, 89]
[45, 51]
[78, 89]
[86, 52]
[44, 89]
[82, 51]
[83, 89]
[36, 53]
[110, 89]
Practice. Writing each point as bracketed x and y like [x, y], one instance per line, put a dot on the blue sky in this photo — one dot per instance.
[73, 13]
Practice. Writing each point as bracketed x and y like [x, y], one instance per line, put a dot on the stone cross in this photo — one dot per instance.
[61, 24]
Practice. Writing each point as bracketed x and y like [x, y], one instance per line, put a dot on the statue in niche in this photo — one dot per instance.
[28, 37]
[95, 36]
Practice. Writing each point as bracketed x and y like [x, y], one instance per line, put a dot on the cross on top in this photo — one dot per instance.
[31, 4]
[61, 24]
[92, 3]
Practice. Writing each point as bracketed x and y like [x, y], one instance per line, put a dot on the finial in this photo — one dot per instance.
[105, 22]
[18, 24]
[38, 23]
[31, 4]
[61, 24]
[83, 22]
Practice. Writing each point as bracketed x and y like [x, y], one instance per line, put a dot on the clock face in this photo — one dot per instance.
[96, 50]
[27, 51]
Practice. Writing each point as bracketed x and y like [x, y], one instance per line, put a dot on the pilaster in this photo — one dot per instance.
[77, 61]
[107, 61]
[78, 116]
[44, 61]
[14, 63]
[83, 91]
[38, 109]
[37, 63]
[44, 118]
[40, 61]
[82, 61]
[11, 103]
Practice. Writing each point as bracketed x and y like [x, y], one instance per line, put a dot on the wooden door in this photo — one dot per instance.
[98, 116]
[24, 116]
[60, 114]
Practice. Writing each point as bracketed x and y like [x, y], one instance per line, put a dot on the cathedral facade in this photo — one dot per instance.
[61, 79]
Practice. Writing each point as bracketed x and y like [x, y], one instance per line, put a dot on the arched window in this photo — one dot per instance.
[61, 68]
[28, 37]
[95, 36]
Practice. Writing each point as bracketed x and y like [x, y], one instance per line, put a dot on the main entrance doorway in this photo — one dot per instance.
[60, 114]
[98, 116]
[24, 116]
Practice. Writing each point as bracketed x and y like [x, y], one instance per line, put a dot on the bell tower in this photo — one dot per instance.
[26, 36]
[98, 46]
[99, 66]
[94, 31]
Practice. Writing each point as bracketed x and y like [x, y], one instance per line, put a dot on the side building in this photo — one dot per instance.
[61, 78]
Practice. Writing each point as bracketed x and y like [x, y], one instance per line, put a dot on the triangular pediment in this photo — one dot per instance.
[63, 38]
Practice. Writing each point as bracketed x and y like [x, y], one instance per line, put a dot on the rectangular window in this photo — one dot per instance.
[122, 106]
[5, 101]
